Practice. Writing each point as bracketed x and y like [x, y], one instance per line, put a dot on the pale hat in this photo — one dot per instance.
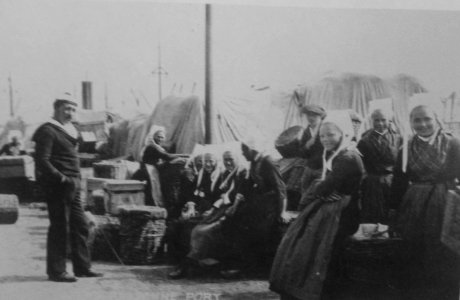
[65, 98]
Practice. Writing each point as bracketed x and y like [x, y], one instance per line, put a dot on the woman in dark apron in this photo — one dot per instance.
[302, 262]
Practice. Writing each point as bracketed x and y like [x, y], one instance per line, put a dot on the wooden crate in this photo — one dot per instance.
[115, 193]
[9, 209]
[118, 198]
[110, 170]
[17, 167]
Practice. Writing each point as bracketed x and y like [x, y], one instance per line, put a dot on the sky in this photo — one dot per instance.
[50, 47]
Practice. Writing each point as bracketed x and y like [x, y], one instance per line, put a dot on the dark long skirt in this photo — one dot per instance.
[153, 194]
[431, 267]
[206, 240]
[376, 193]
[302, 259]
[251, 232]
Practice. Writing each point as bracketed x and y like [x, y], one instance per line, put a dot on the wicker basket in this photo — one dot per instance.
[288, 142]
[9, 209]
[141, 234]
[104, 238]
[373, 261]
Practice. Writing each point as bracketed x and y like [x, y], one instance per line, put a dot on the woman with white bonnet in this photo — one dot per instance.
[160, 167]
[303, 260]
[154, 152]
[205, 193]
[207, 244]
[187, 180]
[433, 167]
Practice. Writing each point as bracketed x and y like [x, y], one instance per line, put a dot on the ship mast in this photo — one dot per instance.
[159, 71]
[10, 85]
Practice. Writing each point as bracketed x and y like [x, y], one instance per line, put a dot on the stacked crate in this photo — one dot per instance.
[138, 236]
[105, 193]
[17, 176]
[110, 189]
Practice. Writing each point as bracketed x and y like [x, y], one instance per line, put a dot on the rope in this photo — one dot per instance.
[112, 248]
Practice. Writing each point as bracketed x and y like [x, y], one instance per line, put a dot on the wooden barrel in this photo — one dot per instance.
[9, 209]
[288, 142]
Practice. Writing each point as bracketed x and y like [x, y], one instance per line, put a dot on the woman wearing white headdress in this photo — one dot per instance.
[156, 161]
[303, 260]
[207, 241]
[433, 167]
[154, 152]
[205, 193]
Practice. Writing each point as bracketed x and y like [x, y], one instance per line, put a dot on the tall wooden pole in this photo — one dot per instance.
[160, 72]
[209, 107]
[160, 96]
[10, 86]
[106, 97]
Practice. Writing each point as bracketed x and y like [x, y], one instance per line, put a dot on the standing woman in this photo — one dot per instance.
[160, 187]
[433, 166]
[154, 152]
[302, 261]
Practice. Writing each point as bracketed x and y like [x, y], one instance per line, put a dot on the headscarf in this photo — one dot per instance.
[342, 120]
[430, 140]
[148, 141]
[152, 132]
[197, 151]
[235, 149]
[214, 151]
[256, 145]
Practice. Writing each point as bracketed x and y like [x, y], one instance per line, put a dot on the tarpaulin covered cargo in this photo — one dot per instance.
[183, 119]
[354, 91]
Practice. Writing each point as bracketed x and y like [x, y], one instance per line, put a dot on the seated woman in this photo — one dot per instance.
[206, 192]
[187, 180]
[206, 238]
[159, 187]
[303, 260]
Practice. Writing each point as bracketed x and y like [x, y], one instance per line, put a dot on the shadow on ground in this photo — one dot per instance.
[16, 279]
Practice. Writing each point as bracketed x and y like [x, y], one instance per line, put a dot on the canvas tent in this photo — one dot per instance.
[263, 115]
[354, 91]
[259, 117]
[183, 119]
[122, 133]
